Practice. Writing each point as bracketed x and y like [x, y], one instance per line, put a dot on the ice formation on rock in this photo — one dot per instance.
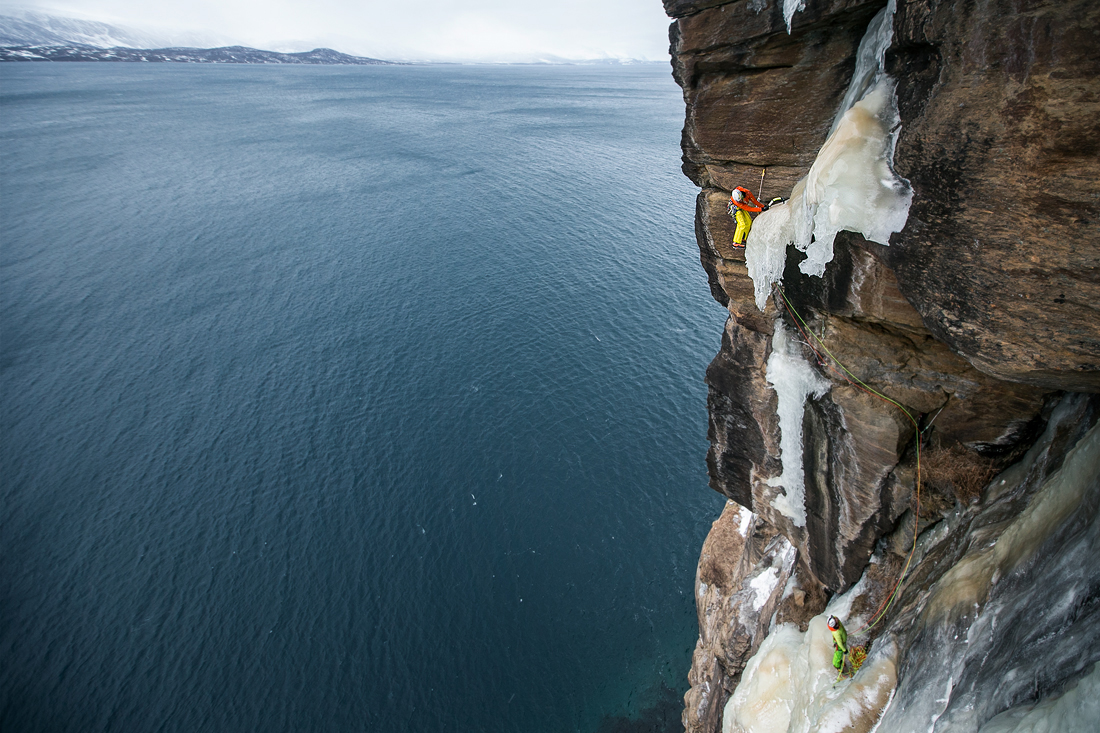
[978, 616]
[745, 521]
[790, 7]
[1015, 616]
[788, 686]
[870, 60]
[851, 185]
[793, 381]
[1077, 709]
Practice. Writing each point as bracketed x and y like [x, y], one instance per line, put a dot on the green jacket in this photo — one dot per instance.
[840, 638]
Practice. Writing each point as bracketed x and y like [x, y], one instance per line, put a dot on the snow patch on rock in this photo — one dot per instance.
[744, 521]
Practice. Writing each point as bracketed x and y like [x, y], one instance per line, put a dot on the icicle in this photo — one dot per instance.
[790, 7]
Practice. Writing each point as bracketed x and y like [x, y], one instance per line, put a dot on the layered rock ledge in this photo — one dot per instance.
[981, 318]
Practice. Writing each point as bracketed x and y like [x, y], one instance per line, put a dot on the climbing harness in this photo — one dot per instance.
[855, 381]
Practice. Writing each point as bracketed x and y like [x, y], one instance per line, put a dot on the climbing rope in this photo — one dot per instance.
[855, 381]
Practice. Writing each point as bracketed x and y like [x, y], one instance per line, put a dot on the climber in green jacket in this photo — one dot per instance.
[840, 645]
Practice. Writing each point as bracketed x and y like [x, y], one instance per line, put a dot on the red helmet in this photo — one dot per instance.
[834, 623]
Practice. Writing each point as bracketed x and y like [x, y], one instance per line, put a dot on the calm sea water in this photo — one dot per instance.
[347, 398]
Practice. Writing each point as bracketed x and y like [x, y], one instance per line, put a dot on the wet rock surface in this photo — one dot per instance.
[972, 323]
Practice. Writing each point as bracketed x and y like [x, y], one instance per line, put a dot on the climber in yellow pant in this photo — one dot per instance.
[741, 203]
[840, 644]
[744, 223]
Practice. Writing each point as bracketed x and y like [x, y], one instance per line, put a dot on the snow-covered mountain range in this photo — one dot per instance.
[221, 55]
[32, 36]
[30, 28]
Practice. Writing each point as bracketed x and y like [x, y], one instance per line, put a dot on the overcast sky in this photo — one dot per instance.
[422, 29]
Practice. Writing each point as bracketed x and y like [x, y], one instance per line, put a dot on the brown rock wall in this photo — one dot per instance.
[853, 443]
[748, 573]
[757, 97]
[743, 427]
[985, 302]
[858, 448]
[1001, 142]
[681, 8]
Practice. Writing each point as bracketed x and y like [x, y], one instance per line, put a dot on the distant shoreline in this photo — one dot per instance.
[222, 55]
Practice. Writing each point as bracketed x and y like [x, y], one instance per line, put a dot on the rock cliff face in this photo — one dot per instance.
[980, 319]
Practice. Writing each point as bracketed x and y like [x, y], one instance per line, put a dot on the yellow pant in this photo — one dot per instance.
[744, 223]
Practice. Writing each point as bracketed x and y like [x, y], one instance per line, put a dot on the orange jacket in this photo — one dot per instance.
[749, 204]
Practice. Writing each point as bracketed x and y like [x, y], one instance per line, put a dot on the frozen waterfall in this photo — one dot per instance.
[851, 185]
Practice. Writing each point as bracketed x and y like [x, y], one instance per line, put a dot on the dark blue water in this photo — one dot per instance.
[346, 398]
